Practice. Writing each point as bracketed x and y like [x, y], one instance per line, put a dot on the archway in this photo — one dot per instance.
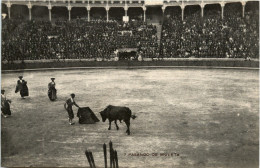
[233, 9]
[192, 11]
[116, 14]
[212, 10]
[173, 12]
[98, 13]
[135, 13]
[60, 13]
[79, 13]
[40, 12]
[154, 14]
[19, 12]
[252, 9]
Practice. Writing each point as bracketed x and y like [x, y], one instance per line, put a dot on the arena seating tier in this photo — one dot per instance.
[207, 37]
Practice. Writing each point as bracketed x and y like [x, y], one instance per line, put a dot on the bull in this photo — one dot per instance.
[114, 113]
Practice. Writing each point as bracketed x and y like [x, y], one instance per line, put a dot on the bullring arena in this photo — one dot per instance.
[189, 71]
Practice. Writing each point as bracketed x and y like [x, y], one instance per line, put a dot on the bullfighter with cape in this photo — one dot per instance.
[68, 107]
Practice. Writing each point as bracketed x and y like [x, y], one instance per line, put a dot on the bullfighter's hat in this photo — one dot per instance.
[20, 76]
[52, 78]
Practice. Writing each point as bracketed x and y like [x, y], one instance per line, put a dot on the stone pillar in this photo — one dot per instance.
[126, 8]
[163, 9]
[243, 8]
[202, 5]
[30, 10]
[69, 10]
[222, 4]
[144, 9]
[107, 9]
[8, 4]
[88, 9]
[182, 11]
[49, 7]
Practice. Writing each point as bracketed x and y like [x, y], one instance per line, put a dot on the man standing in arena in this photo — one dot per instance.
[68, 107]
[5, 105]
[22, 87]
[52, 92]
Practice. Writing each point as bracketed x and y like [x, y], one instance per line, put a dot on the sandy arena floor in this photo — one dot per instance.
[208, 116]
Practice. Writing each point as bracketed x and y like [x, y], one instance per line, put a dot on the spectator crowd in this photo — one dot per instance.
[211, 36]
[77, 39]
[232, 37]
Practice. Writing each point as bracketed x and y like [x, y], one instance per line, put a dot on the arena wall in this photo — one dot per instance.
[55, 64]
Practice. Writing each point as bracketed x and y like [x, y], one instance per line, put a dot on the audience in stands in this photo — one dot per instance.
[210, 36]
[77, 39]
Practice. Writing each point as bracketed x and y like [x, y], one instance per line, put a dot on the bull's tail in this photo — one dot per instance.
[133, 116]
[130, 112]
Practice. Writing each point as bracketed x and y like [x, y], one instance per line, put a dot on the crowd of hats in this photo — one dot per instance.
[231, 37]
[78, 39]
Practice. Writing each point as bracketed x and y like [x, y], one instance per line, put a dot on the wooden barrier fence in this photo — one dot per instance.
[113, 157]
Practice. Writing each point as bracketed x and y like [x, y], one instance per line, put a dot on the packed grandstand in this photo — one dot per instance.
[170, 29]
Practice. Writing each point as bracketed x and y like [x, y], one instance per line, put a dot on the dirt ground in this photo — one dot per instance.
[195, 117]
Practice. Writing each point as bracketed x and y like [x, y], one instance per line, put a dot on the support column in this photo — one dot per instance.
[144, 9]
[202, 5]
[8, 4]
[49, 7]
[243, 8]
[30, 10]
[182, 11]
[222, 4]
[88, 9]
[107, 9]
[163, 9]
[126, 8]
[69, 10]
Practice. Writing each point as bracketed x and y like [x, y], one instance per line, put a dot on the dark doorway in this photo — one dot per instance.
[60, 13]
[19, 12]
[40, 12]
[154, 14]
[79, 13]
[98, 13]
[135, 14]
[116, 14]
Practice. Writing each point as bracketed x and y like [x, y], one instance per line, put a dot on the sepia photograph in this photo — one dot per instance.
[130, 83]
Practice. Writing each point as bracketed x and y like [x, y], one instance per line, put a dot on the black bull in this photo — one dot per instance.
[114, 113]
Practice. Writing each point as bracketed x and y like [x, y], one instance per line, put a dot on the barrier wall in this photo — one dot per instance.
[129, 64]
